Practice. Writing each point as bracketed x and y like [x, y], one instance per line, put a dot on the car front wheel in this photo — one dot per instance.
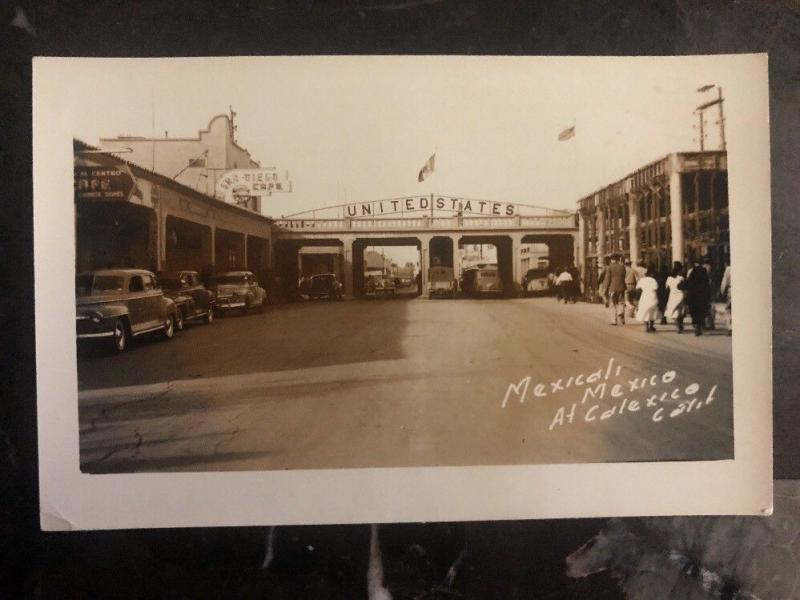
[209, 318]
[120, 336]
[179, 320]
[169, 327]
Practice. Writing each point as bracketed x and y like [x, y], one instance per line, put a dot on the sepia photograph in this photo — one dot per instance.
[330, 263]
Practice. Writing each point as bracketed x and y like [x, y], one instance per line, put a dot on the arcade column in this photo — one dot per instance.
[213, 248]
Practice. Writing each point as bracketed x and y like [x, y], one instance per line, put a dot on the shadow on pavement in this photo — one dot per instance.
[286, 337]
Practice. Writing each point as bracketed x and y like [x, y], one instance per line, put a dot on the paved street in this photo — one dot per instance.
[406, 382]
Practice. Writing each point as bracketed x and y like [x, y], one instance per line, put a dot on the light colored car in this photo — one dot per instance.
[536, 281]
[488, 281]
[385, 285]
[118, 304]
[441, 282]
[237, 290]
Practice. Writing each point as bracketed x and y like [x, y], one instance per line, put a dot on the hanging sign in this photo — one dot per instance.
[103, 183]
[237, 185]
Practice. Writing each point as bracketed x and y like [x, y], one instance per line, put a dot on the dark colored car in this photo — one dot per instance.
[322, 286]
[191, 297]
[237, 289]
[118, 304]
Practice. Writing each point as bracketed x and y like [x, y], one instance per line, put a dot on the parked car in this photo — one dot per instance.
[488, 281]
[322, 286]
[536, 281]
[237, 289]
[118, 304]
[441, 282]
[191, 297]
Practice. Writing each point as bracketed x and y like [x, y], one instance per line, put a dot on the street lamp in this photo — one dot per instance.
[700, 110]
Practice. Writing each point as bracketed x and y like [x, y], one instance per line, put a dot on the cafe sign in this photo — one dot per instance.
[430, 204]
[237, 185]
[103, 183]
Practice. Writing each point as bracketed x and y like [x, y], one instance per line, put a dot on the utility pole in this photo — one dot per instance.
[718, 101]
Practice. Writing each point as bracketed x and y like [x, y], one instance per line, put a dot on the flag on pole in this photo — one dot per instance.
[427, 169]
[566, 134]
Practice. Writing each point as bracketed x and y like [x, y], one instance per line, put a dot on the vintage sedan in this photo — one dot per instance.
[237, 289]
[325, 285]
[191, 297]
[118, 304]
[536, 281]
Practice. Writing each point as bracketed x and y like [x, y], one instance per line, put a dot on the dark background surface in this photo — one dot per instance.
[503, 559]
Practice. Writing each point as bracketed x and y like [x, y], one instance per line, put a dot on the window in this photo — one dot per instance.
[148, 283]
[135, 284]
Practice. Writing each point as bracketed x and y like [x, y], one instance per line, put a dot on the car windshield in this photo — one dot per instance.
[231, 279]
[98, 285]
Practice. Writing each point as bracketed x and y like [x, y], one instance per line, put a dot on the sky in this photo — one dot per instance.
[355, 129]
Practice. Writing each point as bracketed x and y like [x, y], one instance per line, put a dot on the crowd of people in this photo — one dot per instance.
[649, 294]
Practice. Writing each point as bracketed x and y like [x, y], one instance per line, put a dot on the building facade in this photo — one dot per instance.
[197, 162]
[673, 209]
[127, 216]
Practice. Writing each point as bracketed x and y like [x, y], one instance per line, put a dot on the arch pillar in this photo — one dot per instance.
[347, 265]
[516, 256]
[424, 259]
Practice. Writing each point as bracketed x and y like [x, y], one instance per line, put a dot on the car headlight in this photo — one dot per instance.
[96, 318]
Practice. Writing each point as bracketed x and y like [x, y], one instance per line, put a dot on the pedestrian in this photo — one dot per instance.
[601, 283]
[676, 301]
[564, 283]
[725, 292]
[640, 269]
[575, 286]
[647, 312]
[698, 294]
[711, 313]
[631, 277]
[663, 293]
[614, 289]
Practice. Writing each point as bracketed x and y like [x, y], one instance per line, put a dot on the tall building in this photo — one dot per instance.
[673, 209]
[196, 162]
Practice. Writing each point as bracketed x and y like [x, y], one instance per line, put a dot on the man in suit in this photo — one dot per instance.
[614, 289]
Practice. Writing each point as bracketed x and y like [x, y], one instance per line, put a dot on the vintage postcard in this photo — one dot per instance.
[367, 289]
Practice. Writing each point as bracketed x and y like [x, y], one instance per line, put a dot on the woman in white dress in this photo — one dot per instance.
[648, 300]
[676, 302]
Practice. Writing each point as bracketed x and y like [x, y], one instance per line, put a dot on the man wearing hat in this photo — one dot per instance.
[698, 295]
[631, 277]
[614, 288]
